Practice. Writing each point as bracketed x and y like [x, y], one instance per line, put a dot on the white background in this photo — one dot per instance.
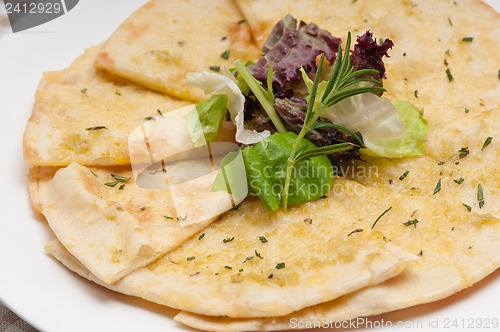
[38, 288]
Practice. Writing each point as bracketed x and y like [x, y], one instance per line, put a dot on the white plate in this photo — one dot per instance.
[45, 293]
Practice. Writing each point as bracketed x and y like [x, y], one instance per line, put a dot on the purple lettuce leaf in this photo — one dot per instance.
[367, 54]
[290, 47]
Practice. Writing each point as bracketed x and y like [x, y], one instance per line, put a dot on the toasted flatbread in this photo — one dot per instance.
[456, 249]
[164, 40]
[428, 38]
[114, 225]
[72, 104]
[452, 168]
[258, 263]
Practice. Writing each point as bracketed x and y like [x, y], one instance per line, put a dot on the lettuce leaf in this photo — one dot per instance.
[226, 84]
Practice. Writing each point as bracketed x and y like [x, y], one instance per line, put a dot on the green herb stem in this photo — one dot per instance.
[265, 99]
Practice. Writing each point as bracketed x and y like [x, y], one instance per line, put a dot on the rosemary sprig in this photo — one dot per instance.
[338, 88]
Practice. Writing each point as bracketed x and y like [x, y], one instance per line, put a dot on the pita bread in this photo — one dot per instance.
[417, 60]
[456, 251]
[164, 40]
[459, 176]
[114, 231]
[56, 132]
[231, 271]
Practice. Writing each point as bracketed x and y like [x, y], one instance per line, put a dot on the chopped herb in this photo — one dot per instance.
[324, 197]
[440, 162]
[190, 258]
[111, 184]
[248, 259]
[121, 187]
[263, 239]
[234, 208]
[240, 270]
[201, 236]
[83, 90]
[459, 181]
[280, 266]
[487, 142]
[440, 173]
[467, 39]
[448, 74]
[228, 240]
[228, 267]
[149, 118]
[480, 196]
[181, 218]
[447, 52]
[96, 128]
[438, 187]
[411, 222]
[159, 112]
[225, 54]
[449, 21]
[499, 74]
[463, 152]
[416, 93]
[120, 178]
[359, 230]
[467, 110]
[457, 162]
[258, 255]
[118, 92]
[481, 204]
[167, 217]
[215, 68]
[405, 174]
[242, 21]
[467, 207]
[381, 216]
[445, 63]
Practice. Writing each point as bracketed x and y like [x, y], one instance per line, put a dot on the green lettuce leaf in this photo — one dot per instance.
[204, 121]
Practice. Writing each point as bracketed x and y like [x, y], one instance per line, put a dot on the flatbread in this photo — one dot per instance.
[164, 40]
[457, 249]
[115, 227]
[423, 40]
[459, 173]
[64, 125]
[229, 270]
[56, 132]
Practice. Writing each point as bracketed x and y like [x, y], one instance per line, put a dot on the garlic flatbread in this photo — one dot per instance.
[82, 115]
[445, 55]
[164, 40]
[258, 263]
[456, 250]
[114, 225]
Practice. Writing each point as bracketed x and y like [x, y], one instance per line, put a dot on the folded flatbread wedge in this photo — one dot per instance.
[164, 40]
[113, 225]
